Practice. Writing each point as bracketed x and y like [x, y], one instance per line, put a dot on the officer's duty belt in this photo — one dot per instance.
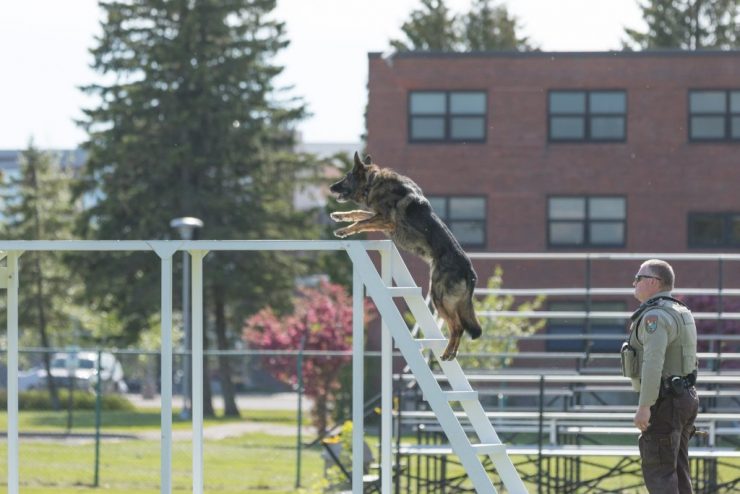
[676, 384]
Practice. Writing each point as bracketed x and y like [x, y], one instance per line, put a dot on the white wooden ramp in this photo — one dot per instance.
[470, 452]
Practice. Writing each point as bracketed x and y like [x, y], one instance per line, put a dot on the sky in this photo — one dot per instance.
[44, 57]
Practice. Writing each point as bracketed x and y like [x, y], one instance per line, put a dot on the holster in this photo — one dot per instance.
[676, 385]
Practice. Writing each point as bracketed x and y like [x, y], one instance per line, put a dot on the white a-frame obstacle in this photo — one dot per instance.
[470, 453]
[379, 287]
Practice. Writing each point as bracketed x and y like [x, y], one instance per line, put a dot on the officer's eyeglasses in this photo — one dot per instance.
[641, 276]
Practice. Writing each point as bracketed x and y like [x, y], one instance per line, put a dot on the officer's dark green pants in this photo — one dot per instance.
[664, 446]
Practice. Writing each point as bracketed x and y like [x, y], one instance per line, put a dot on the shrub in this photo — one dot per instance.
[82, 400]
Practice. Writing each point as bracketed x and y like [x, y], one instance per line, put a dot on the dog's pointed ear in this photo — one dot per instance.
[368, 160]
[359, 166]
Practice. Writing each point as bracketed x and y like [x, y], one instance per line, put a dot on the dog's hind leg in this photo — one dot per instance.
[454, 327]
[454, 343]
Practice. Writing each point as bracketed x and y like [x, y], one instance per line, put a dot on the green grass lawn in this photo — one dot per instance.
[261, 463]
[251, 463]
[257, 463]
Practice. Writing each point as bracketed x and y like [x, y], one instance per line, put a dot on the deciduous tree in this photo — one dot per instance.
[500, 332]
[322, 320]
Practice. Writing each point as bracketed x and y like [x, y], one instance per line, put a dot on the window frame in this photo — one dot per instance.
[727, 116]
[725, 241]
[587, 116]
[446, 217]
[447, 117]
[587, 244]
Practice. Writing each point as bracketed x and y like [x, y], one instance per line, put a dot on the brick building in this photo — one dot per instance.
[569, 152]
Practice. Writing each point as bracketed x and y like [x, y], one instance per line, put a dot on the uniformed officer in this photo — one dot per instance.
[660, 358]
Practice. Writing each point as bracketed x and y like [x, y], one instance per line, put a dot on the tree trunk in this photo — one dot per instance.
[227, 386]
[39, 298]
[53, 393]
[319, 413]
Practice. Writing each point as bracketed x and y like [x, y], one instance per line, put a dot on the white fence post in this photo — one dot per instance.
[165, 250]
[358, 380]
[12, 335]
[386, 388]
[196, 257]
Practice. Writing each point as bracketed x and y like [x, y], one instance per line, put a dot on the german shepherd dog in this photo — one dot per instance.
[395, 205]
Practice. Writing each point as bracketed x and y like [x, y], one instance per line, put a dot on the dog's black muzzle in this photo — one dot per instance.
[340, 190]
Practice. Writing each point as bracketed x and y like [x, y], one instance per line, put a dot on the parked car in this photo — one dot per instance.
[82, 368]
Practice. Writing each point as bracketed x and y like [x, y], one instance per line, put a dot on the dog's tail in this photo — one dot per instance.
[469, 322]
[467, 312]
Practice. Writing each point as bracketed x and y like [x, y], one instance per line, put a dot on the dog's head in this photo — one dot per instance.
[352, 186]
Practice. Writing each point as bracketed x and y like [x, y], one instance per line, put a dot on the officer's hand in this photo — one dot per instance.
[642, 418]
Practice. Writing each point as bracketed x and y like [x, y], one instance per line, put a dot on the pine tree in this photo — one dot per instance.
[487, 27]
[430, 28]
[38, 206]
[687, 25]
[192, 124]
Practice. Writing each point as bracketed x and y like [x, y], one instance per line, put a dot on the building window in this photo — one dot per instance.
[714, 115]
[575, 327]
[594, 116]
[465, 216]
[714, 230]
[447, 116]
[580, 221]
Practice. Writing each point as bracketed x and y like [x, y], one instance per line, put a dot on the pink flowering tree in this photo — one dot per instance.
[324, 317]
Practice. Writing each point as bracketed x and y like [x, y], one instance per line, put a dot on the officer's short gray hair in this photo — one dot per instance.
[662, 270]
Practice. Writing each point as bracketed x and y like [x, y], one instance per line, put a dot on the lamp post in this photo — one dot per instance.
[186, 227]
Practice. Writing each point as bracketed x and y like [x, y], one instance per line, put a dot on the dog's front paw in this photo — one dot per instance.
[449, 354]
[342, 232]
[337, 216]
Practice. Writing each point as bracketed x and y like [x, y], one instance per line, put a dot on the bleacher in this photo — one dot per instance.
[558, 399]
[560, 422]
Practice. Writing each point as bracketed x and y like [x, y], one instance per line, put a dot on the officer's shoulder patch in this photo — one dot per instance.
[651, 323]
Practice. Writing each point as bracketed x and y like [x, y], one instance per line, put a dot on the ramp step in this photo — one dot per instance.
[432, 343]
[461, 395]
[404, 291]
[489, 449]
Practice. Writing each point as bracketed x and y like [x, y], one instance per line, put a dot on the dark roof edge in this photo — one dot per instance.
[556, 54]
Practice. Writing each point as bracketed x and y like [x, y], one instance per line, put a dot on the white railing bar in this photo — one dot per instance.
[555, 314]
[215, 245]
[569, 378]
[555, 355]
[603, 256]
[145, 245]
[525, 416]
[598, 291]
[375, 353]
